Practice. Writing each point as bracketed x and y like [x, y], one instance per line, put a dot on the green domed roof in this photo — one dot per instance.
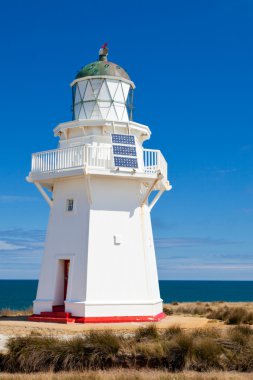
[98, 68]
[102, 67]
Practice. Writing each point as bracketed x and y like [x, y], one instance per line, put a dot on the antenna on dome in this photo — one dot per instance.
[103, 52]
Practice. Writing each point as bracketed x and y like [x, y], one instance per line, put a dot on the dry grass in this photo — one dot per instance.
[15, 313]
[172, 350]
[231, 314]
[149, 350]
[125, 374]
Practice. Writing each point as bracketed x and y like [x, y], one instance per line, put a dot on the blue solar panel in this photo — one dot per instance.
[124, 150]
[123, 139]
[126, 162]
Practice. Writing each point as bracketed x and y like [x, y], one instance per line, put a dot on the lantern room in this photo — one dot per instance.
[102, 90]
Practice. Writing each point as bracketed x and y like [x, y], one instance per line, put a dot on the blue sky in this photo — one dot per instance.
[192, 64]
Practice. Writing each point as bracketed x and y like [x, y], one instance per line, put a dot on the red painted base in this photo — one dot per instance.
[62, 317]
[123, 319]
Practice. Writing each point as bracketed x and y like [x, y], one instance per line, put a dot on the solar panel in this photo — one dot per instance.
[123, 139]
[122, 150]
[123, 154]
[126, 162]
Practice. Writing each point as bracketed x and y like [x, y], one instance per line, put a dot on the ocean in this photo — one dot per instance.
[19, 294]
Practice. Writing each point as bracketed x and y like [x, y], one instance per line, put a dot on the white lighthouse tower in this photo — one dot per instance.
[99, 262]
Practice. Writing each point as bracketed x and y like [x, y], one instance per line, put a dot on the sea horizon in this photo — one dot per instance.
[19, 294]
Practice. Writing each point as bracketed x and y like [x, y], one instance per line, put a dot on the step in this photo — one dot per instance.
[38, 318]
[59, 308]
[55, 314]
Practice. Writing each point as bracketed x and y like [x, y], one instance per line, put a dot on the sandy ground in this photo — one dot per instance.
[11, 326]
[18, 325]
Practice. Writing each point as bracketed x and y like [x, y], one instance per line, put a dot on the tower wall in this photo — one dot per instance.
[108, 240]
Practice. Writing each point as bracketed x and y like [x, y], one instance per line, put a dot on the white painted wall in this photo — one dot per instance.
[105, 279]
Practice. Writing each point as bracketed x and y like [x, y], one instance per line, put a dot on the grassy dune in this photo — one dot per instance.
[150, 352]
[120, 374]
[230, 313]
[171, 349]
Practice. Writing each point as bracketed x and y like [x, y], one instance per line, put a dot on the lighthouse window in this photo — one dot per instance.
[70, 204]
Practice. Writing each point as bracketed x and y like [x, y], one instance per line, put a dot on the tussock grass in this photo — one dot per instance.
[206, 354]
[120, 374]
[172, 331]
[169, 350]
[231, 315]
[6, 312]
[149, 332]
[167, 310]
[34, 353]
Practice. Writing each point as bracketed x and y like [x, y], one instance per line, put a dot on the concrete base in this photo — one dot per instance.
[62, 317]
[84, 312]
[117, 309]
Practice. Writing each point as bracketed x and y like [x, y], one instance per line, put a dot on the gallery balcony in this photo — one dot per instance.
[82, 159]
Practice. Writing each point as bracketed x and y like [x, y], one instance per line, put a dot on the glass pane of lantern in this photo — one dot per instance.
[96, 85]
[96, 113]
[77, 97]
[89, 95]
[119, 109]
[88, 107]
[125, 88]
[82, 114]
[104, 92]
[77, 110]
[112, 85]
[112, 114]
[82, 86]
[119, 97]
[104, 108]
[125, 115]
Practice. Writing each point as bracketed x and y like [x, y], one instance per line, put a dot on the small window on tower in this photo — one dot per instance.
[70, 204]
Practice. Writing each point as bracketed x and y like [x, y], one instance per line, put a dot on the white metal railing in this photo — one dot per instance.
[92, 157]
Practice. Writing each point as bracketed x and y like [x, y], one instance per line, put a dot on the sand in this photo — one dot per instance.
[18, 328]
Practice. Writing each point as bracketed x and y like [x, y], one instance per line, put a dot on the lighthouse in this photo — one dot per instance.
[101, 184]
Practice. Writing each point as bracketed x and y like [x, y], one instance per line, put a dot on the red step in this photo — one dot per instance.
[39, 318]
[55, 314]
[121, 319]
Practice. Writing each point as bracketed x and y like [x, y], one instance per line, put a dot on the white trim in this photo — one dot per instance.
[103, 77]
[43, 193]
[108, 302]
[102, 123]
[160, 193]
[151, 187]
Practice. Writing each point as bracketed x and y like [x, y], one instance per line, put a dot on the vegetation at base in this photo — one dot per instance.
[171, 350]
[231, 315]
[6, 312]
[126, 374]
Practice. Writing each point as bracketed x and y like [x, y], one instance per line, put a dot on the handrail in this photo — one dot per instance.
[100, 157]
